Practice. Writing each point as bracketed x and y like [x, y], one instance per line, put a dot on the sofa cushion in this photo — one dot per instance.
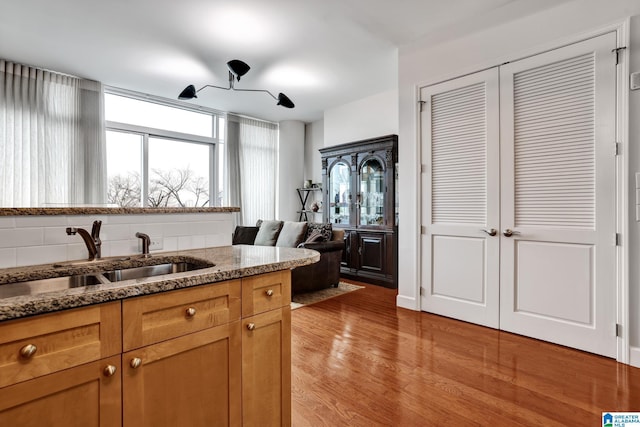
[292, 234]
[315, 236]
[268, 232]
[324, 228]
[244, 235]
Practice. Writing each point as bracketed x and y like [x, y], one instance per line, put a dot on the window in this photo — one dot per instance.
[162, 155]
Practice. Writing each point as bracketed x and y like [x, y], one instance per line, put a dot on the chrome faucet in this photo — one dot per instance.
[146, 242]
[93, 242]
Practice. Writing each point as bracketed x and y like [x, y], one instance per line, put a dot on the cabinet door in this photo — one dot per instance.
[371, 248]
[371, 192]
[346, 253]
[58, 341]
[266, 369]
[340, 200]
[191, 381]
[85, 396]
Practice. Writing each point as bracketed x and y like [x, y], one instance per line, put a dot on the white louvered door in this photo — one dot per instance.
[461, 198]
[526, 149]
[558, 274]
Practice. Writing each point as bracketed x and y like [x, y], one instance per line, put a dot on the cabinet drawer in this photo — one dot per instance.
[41, 345]
[265, 292]
[83, 396]
[155, 318]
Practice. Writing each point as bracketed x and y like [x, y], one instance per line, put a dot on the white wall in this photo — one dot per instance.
[313, 141]
[425, 64]
[376, 115]
[28, 240]
[290, 169]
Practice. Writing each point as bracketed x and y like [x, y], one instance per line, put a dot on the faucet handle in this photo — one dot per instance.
[95, 230]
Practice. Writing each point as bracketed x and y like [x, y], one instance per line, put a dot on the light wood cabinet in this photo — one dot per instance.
[154, 318]
[62, 369]
[83, 396]
[266, 368]
[210, 355]
[266, 349]
[193, 380]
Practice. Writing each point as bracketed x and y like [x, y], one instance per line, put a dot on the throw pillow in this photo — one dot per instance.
[268, 233]
[292, 234]
[315, 236]
[244, 235]
[324, 228]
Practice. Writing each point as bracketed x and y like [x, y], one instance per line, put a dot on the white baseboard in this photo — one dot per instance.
[634, 359]
[408, 303]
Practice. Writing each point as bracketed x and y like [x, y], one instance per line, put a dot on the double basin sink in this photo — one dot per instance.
[158, 266]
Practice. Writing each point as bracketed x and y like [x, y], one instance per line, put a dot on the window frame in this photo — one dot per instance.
[215, 142]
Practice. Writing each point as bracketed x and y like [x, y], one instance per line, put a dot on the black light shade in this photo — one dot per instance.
[189, 92]
[238, 68]
[284, 101]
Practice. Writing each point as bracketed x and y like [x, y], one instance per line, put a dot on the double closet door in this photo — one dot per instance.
[519, 194]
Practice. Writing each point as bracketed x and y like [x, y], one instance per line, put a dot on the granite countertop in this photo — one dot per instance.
[103, 210]
[229, 262]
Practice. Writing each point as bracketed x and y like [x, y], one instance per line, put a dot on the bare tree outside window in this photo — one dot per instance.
[124, 190]
[177, 188]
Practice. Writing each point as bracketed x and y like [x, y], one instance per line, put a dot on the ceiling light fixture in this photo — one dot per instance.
[237, 69]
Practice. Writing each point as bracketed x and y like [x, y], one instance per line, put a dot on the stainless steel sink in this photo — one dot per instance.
[151, 270]
[34, 287]
[99, 276]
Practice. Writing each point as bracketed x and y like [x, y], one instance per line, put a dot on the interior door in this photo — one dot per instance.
[460, 198]
[558, 266]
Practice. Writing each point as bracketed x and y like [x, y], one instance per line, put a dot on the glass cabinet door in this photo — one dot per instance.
[371, 193]
[339, 193]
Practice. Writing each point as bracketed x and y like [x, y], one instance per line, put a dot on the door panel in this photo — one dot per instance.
[558, 276]
[563, 290]
[468, 284]
[460, 181]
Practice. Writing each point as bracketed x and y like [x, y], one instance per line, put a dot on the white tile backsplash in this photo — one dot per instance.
[7, 258]
[27, 240]
[59, 236]
[115, 231]
[29, 255]
[7, 222]
[40, 221]
[15, 237]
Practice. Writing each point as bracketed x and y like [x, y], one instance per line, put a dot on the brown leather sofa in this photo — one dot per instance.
[326, 272]
[321, 275]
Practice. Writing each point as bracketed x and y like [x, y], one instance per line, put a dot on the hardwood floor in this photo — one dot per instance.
[358, 360]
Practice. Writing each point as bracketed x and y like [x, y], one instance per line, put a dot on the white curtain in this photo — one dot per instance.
[252, 148]
[52, 139]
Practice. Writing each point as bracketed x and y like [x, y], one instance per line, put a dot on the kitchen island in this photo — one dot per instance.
[204, 347]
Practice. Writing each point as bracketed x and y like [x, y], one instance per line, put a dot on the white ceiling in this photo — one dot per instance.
[321, 53]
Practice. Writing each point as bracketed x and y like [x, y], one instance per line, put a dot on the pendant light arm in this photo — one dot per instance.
[217, 87]
[255, 90]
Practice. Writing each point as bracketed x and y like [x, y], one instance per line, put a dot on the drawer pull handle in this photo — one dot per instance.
[251, 326]
[191, 312]
[135, 362]
[269, 292]
[28, 351]
[109, 371]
